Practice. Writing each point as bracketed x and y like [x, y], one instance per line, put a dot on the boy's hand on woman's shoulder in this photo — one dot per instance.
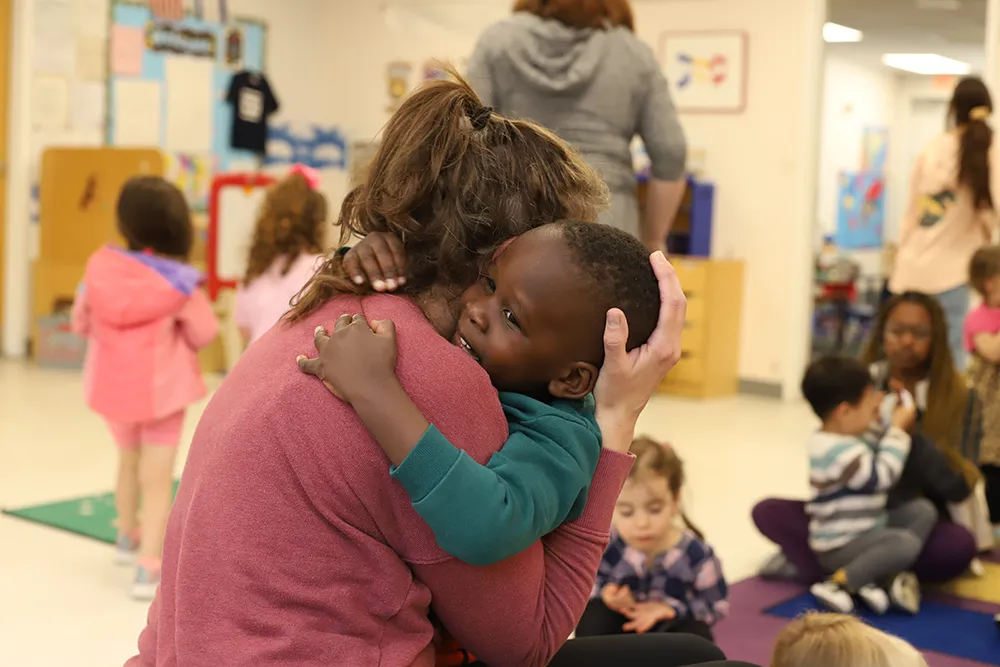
[358, 358]
[379, 260]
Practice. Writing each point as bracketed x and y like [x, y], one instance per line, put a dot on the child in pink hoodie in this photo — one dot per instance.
[145, 317]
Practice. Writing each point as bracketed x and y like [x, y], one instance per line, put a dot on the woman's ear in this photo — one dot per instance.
[575, 382]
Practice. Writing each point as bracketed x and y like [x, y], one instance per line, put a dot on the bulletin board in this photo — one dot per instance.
[167, 85]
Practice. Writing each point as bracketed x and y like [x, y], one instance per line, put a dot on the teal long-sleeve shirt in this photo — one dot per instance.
[483, 514]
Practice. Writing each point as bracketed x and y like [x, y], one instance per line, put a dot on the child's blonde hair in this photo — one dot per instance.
[838, 640]
[290, 224]
[660, 460]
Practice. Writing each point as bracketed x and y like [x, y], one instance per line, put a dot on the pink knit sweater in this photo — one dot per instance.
[289, 544]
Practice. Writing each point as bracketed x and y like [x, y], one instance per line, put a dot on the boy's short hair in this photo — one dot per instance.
[616, 271]
[985, 264]
[830, 381]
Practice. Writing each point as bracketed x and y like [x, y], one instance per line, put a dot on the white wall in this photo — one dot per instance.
[298, 52]
[855, 96]
[764, 164]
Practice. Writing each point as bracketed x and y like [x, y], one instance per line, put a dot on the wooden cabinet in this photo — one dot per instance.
[710, 344]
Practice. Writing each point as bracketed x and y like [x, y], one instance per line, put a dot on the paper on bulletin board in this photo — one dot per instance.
[49, 102]
[91, 60]
[190, 113]
[90, 18]
[127, 47]
[88, 107]
[137, 112]
[54, 38]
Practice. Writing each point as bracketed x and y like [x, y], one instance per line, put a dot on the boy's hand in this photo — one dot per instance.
[378, 259]
[617, 598]
[356, 358]
[645, 615]
[904, 416]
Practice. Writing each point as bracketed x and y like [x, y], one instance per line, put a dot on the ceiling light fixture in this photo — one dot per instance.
[835, 33]
[925, 63]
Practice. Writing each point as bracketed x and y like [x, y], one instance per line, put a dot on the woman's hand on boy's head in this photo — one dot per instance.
[357, 357]
[378, 259]
[628, 379]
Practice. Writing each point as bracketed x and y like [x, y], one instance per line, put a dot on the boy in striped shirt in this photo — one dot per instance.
[854, 460]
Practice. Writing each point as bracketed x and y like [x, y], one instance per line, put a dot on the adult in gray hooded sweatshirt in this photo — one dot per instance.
[577, 68]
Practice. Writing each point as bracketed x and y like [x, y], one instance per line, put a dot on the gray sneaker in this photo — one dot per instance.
[904, 592]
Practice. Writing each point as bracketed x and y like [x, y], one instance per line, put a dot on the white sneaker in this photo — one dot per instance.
[833, 596]
[977, 568]
[125, 550]
[905, 593]
[146, 583]
[874, 598]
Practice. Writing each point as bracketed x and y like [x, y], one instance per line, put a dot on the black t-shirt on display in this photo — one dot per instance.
[252, 101]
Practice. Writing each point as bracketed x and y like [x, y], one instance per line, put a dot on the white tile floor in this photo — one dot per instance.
[63, 603]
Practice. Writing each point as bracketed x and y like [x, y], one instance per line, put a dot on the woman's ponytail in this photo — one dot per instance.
[971, 107]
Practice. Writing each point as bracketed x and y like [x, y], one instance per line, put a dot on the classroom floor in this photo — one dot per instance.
[63, 602]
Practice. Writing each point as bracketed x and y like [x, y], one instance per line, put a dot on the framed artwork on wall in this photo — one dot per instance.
[707, 71]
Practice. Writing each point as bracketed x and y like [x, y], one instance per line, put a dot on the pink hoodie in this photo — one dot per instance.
[145, 318]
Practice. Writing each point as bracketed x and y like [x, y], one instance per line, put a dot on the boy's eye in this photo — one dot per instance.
[511, 318]
[489, 284]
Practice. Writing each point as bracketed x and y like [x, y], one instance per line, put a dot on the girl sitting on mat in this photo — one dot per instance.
[908, 349]
[287, 249]
[658, 574]
[838, 640]
[145, 317]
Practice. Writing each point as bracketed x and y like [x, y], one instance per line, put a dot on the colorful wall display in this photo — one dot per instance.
[317, 147]
[860, 210]
[168, 83]
[706, 71]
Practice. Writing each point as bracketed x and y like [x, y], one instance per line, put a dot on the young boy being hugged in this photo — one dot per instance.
[853, 461]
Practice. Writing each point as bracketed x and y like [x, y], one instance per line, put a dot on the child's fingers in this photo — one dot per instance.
[310, 366]
[384, 328]
[352, 267]
[386, 259]
[399, 257]
[371, 267]
[320, 337]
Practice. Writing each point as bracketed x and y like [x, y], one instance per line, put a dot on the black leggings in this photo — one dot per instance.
[991, 475]
[650, 650]
[599, 621]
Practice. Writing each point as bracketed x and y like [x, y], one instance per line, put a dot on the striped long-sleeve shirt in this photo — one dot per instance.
[850, 478]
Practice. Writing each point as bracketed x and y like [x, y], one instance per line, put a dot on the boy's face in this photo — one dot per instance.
[528, 324]
[854, 419]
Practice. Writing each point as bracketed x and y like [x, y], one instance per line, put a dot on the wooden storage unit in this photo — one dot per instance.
[709, 365]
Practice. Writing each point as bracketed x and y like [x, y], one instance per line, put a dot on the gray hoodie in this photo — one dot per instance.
[594, 88]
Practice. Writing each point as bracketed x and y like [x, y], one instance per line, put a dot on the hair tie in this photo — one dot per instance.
[481, 117]
[310, 175]
[979, 113]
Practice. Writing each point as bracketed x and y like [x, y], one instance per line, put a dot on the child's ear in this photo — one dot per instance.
[575, 382]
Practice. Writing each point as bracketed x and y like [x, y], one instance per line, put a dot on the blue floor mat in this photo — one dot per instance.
[941, 628]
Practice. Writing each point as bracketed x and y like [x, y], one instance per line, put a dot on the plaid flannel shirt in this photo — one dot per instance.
[688, 577]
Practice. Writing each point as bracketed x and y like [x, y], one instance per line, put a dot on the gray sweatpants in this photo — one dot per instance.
[885, 552]
[623, 213]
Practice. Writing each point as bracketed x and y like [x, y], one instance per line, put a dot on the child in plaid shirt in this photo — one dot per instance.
[656, 575]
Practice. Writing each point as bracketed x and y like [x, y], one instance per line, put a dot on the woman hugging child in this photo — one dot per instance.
[658, 574]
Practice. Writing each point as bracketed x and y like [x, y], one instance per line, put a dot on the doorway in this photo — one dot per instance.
[6, 9]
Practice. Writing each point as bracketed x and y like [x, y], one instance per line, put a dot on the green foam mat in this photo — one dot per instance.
[89, 516]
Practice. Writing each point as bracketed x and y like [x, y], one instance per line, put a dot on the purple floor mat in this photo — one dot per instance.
[748, 634]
